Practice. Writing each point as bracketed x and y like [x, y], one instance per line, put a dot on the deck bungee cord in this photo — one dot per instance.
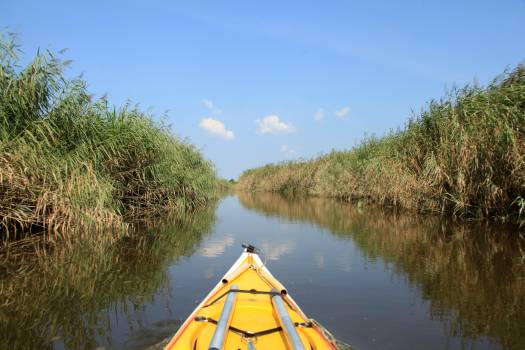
[249, 291]
[250, 334]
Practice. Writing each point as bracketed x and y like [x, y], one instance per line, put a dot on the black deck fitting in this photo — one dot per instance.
[249, 248]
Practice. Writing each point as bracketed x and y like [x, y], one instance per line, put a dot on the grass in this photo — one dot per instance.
[463, 155]
[69, 163]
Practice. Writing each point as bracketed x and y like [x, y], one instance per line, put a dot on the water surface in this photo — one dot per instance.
[375, 279]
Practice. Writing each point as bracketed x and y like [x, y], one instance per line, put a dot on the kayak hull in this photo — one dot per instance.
[255, 323]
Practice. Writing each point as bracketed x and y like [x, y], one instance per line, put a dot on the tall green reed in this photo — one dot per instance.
[71, 163]
[463, 155]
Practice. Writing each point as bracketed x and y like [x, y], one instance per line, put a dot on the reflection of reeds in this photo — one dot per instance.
[473, 275]
[69, 165]
[462, 155]
[72, 290]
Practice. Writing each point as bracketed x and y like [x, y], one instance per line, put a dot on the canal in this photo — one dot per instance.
[375, 278]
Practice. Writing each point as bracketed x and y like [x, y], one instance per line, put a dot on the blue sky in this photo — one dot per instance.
[252, 82]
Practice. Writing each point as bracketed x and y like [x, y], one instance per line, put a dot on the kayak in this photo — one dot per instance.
[250, 309]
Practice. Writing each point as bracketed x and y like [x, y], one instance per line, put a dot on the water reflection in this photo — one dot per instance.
[274, 250]
[343, 263]
[375, 279]
[319, 260]
[77, 297]
[215, 248]
[473, 276]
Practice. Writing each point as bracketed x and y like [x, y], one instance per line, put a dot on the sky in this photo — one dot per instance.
[252, 82]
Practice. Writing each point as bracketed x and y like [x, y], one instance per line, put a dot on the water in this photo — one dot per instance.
[375, 279]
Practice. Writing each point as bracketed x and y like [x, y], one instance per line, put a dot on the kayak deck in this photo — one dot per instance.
[255, 322]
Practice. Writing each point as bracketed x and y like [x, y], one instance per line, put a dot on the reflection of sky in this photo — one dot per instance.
[343, 263]
[215, 248]
[319, 260]
[210, 272]
[274, 250]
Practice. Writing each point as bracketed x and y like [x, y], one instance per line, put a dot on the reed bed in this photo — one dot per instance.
[463, 155]
[69, 163]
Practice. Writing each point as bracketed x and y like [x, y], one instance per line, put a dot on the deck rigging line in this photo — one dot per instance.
[250, 291]
[249, 334]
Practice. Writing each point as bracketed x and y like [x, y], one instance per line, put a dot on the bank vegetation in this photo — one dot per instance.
[463, 155]
[73, 164]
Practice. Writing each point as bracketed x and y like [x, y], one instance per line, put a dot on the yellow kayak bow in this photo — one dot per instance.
[249, 309]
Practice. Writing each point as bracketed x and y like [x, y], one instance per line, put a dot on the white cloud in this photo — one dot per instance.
[343, 112]
[211, 106]
[273, 125]
[287, 150]
[216, 127]
[319, 115]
